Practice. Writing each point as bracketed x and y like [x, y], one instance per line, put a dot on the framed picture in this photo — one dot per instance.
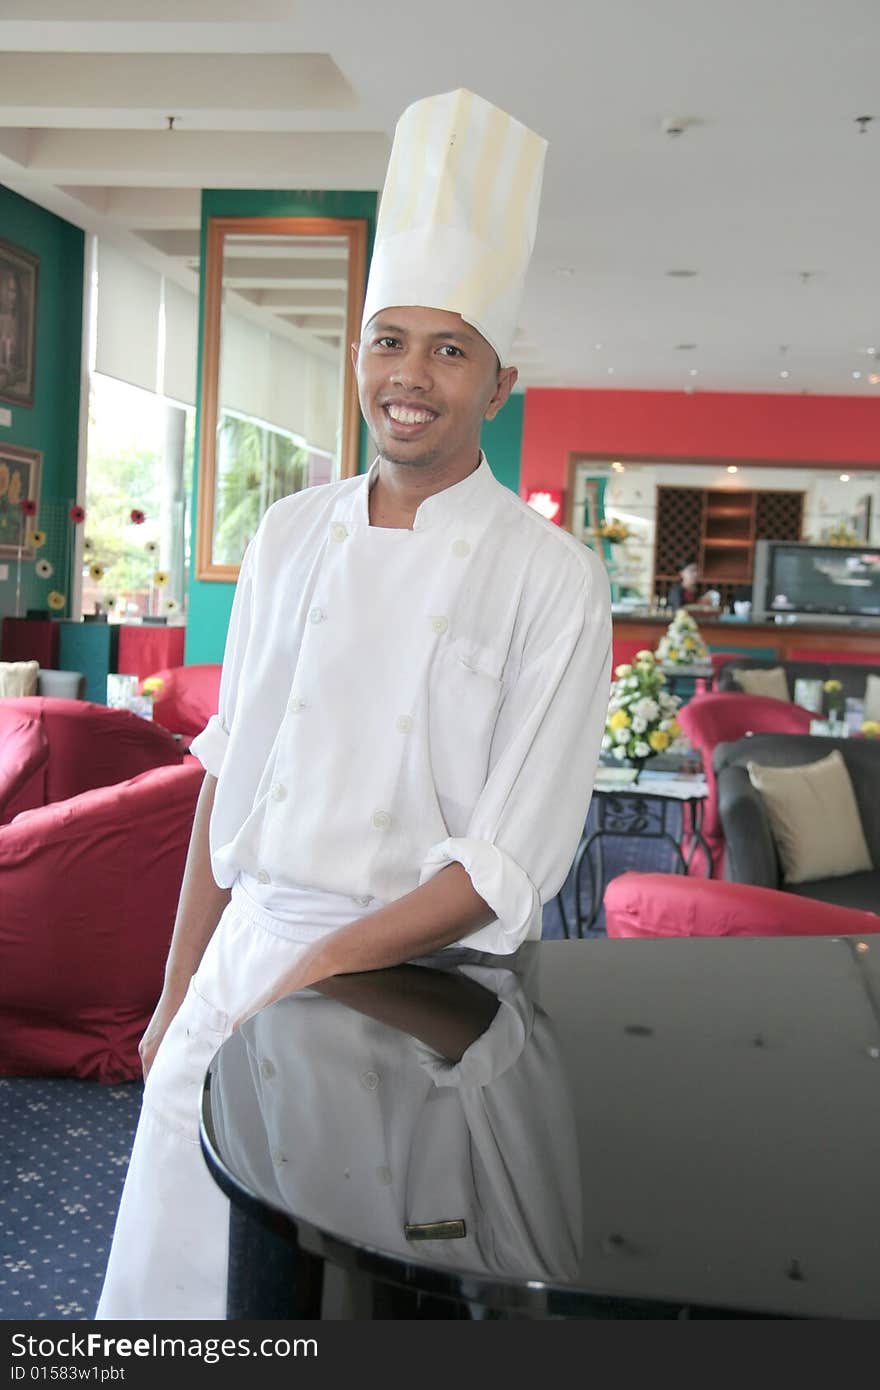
[19, 482]
[18, 321]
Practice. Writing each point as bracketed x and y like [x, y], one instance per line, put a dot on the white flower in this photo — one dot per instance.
[622, 735]
[624, 670]
[619, 752]
[646, 708]
[44, 569]
[639, 725]
[632, 682]
[607, 742]
[642, 750]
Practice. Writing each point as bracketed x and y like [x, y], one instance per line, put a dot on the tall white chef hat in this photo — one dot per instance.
[458, 215]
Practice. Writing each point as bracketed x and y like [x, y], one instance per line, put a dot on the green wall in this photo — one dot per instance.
[209, 603]
[52, 423]
[502, 442]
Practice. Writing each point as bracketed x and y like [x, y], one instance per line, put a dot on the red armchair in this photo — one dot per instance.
[187, 698]
[668, 905]
[88, 746]
[712, 719]
[89, 889]
[24, 750]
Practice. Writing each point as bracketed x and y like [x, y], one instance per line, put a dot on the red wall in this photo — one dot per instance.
[670, 425]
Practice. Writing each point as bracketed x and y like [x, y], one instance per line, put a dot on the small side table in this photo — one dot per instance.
[642, 809]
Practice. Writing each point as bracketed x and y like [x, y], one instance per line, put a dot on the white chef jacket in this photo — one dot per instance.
[393, 701]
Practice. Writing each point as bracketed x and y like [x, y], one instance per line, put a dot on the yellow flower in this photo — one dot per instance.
[96, 572]
[623, 671]
[160, 579]
[674, 729]
[56, 600]
[659, 740]
[619, 720]
[35, 539]
[672, 654]
[871, 728]
[832, 687]
[152, 685]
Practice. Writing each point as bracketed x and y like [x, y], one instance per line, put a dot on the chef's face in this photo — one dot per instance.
[426, 382]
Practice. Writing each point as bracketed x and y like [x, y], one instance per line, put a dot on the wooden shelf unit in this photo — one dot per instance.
[718, 529]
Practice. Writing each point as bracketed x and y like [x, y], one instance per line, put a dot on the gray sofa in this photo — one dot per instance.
[750, 852]
[853, 678]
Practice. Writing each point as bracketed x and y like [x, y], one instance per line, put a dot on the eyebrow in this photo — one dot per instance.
[382, 327]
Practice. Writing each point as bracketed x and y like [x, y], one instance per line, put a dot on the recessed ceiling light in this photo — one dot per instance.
[785, 375]
[565, 272]
[694, 371]
[599, 346]
[732, 468]
[682, 274]
[871, 351]
[685, 347]
[611, 371]
[844, 477]
[618, 466]
[857, 376]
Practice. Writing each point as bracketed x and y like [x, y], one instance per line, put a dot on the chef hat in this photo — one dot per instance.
[458, 215]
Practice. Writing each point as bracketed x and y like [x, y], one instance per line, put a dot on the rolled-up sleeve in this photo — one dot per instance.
[526, 824]
[210, 745]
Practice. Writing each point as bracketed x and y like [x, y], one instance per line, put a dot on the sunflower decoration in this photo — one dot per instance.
[160, 578]
[77, 514]
[56, 600]
[44, 569]
[96, 572]
[28, 506]
[137, 517]
[35, 539]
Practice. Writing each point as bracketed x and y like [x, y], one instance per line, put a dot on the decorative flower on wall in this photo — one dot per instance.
[170, 605]
[152, 547]
[96, 572]
[35, 539]
[77, 514]
[137, 516]
[44, 569]
[28, 506]
[56, 600]
[160, 578]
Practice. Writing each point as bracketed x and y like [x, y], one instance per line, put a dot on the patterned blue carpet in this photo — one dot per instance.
[65, 1150]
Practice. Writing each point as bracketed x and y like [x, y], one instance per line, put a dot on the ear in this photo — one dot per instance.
[355, 349]
[507, 378]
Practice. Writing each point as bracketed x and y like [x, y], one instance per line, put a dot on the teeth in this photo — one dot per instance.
[402, 416]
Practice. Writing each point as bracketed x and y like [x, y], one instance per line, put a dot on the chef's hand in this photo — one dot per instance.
[157, 1027]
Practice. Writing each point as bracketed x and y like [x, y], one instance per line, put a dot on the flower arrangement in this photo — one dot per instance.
[834, 698]
[870, 728]
[841, 534]
[613, 531]
[681, 644]
[641, 714]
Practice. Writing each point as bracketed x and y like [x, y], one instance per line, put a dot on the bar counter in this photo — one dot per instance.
[804, 639]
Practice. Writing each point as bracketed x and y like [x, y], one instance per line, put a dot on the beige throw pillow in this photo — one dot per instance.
[771, 683]
[814, 818]
[872, 697]
[18, 678]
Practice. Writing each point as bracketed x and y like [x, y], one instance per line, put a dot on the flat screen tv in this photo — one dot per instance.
[832, 579]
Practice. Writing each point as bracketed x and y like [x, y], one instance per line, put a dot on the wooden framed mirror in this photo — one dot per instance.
[279, 407]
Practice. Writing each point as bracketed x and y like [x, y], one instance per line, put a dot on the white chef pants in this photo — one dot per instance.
[168, 1257]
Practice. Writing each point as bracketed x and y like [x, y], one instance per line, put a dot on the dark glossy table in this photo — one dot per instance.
[592, 1129]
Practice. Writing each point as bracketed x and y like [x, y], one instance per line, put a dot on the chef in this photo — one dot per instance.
[413, 694]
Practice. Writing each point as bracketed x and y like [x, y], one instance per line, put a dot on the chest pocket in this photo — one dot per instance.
[465, 694]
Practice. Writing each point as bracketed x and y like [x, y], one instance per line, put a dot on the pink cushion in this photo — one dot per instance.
[188, 698]
[667, 905]
[90, 746]
[24, 750]
[89, 889]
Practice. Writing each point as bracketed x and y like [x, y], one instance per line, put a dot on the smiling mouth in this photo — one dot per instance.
[408, 418]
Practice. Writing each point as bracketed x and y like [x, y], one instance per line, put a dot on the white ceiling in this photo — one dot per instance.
[770, 193]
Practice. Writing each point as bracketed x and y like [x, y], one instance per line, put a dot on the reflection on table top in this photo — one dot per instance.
[696, 668]
[689, 1120]
[666, 784]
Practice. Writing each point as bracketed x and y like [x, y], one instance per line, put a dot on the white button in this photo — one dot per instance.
[363, 901]
[369, 1080]
[267, 1069]
[404, 724]
[439, 624]
[316, 615]
[262, 876]
[297, 704]
[384, 1176]
[278, 792]
[461, 548]
[338, 531]
[381, 820]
